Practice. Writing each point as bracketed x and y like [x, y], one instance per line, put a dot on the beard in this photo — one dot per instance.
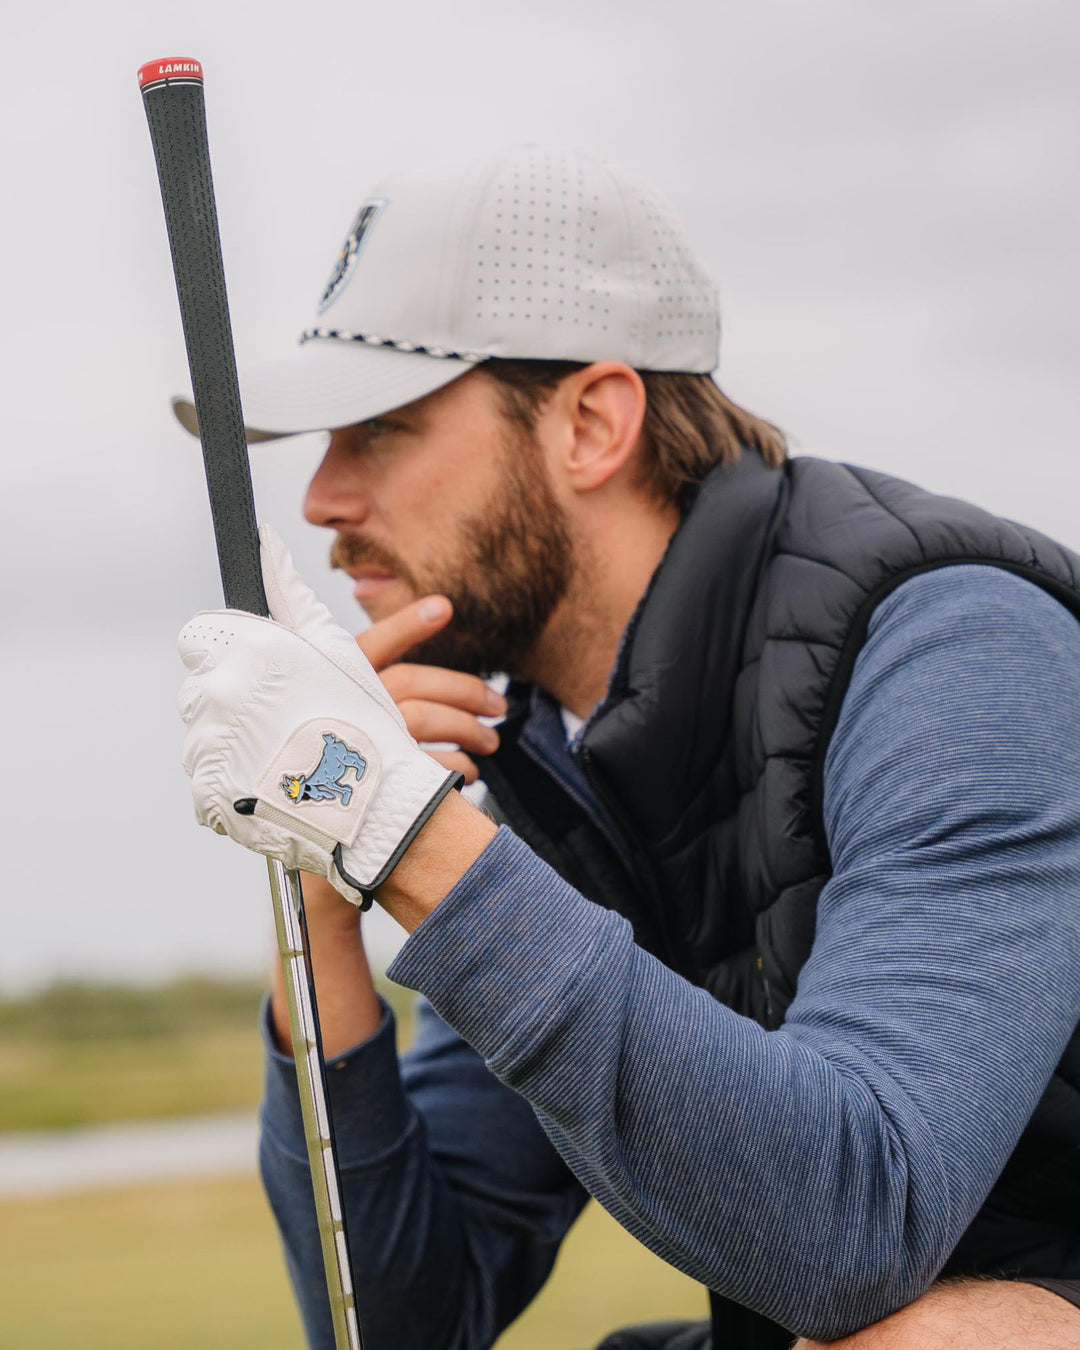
[511, 567]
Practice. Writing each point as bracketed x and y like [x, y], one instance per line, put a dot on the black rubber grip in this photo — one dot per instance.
[177, 117]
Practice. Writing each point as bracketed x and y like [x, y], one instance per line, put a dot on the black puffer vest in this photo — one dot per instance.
[708, 753]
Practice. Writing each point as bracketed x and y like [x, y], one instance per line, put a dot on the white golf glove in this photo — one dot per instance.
[294, 748]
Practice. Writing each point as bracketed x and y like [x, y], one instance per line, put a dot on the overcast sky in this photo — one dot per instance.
[887, 194]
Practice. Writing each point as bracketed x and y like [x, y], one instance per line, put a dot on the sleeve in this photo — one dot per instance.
[455, 1202]
[822, 1173]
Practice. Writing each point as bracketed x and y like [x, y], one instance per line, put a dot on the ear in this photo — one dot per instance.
[604, 408]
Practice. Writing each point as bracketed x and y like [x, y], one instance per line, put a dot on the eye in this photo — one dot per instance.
[380, 426]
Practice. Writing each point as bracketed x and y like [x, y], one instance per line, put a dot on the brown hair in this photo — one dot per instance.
[689, 428]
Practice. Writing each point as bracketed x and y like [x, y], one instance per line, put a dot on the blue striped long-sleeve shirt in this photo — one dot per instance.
[820, 1173]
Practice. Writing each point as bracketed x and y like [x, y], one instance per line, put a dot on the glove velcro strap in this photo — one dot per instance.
[327, 844]
[304, 828]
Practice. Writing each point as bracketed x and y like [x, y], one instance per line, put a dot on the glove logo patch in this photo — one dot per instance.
[326, 781]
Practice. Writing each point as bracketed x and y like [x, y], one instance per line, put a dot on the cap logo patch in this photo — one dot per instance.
[350, 250]
[326, 781]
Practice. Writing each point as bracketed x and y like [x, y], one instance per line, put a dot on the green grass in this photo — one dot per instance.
[78, 1012]
[89, 1055]
[169, 1267]
[197, 1265]
[55, 1085]
[162, 1267]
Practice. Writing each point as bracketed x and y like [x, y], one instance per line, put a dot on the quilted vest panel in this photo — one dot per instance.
[709, 747]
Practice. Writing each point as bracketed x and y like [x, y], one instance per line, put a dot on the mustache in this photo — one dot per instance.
[350, 551]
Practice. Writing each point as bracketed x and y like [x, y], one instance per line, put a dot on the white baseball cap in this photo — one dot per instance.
[531, 253]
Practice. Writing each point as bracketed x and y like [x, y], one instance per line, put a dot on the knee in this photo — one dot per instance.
[970, 1315]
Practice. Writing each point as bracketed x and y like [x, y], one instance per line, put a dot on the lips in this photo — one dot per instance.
[369, 580]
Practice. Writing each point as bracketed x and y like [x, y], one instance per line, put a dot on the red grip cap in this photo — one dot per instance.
[170, 68]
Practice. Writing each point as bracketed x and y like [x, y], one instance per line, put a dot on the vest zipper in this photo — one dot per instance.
[588, 809]
[642, 870]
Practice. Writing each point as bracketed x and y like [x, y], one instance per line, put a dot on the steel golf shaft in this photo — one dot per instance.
[173, 99]
[310, 1074]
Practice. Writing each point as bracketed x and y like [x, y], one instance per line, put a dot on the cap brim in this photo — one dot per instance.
[328, 383]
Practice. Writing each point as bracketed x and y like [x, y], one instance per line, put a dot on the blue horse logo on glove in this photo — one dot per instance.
[324, 782]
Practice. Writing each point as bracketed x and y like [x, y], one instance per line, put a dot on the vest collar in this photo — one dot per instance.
[653, 742]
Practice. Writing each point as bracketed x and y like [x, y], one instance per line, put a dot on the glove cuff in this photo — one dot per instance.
[453, 781]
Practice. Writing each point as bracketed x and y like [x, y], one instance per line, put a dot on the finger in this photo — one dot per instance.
[289, 599]
[457, 763]
[436, 722]
[392, 637]
[293, 604]
[438, 685]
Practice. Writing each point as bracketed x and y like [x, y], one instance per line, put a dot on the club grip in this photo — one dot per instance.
[177, 116]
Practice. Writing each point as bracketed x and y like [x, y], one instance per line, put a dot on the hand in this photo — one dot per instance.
[437, 704]
[294, 748]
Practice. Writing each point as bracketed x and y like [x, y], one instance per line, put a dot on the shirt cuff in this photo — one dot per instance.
[510, 941]
[369, 1110]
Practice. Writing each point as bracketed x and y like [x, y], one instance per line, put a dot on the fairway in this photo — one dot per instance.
[188, 1265]
[88, 1055]
[198, 1265]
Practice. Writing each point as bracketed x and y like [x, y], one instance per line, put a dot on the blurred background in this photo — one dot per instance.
[888, 196]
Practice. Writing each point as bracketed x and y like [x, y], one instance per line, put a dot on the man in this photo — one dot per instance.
[781, 957]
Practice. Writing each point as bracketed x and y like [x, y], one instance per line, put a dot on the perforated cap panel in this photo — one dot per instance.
[536, 253]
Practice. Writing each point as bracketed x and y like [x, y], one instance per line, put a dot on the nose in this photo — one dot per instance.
[336, 495]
